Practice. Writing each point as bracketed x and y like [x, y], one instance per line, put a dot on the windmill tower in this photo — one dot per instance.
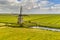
[20, 19]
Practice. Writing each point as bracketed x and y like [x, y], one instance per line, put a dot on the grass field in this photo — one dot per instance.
[10, 33]
[27, 34]
[9, 18]
[47, 20]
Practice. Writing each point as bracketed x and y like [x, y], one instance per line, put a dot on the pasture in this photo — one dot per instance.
[27, 34]
[8, 18]
[44, 20]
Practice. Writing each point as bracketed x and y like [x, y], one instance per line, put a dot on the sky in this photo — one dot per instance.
[55, 1]
[30, 6]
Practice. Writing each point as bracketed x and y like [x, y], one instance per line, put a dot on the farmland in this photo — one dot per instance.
[9, 18]
[15, 33]
[27, 34]
[46, 20]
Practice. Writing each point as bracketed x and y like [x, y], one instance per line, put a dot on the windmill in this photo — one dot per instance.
[21, 4]
[20, 19]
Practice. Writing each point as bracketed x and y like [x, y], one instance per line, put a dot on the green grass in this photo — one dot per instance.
[9, 18]
[9, 33]
[47, 20]
[27, 34]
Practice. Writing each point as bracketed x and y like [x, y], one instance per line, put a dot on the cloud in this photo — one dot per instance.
[28, 6]
[55, 7]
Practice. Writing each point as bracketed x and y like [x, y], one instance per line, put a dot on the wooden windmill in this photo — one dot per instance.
[20, 18]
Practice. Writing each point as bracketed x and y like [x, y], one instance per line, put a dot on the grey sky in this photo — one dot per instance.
[29, 7]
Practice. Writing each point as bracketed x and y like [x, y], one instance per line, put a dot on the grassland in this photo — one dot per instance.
[10, 33]
[27, 34]
[47, 20]
[8, 18]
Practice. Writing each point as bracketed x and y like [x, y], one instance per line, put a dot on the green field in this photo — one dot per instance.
[27, 34]
[46, 20]
[8, 18]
